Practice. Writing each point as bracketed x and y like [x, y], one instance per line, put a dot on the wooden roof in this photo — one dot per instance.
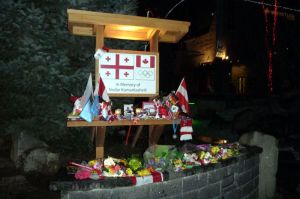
[128, 27]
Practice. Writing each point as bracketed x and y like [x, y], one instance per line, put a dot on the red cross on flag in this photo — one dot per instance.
[117, 66]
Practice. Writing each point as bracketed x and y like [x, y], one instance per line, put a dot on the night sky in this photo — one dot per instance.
[243, 25]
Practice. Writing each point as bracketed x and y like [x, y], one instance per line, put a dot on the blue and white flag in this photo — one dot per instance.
[86, 112]
[95, 106]
[87, 93]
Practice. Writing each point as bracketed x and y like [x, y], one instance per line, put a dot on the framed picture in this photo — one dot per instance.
[148, 105]
[128, 109]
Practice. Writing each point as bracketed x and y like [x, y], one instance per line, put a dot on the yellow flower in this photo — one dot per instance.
[201, 155]
[215, 149]
[143, 172]
[129, 172]
[92, 163]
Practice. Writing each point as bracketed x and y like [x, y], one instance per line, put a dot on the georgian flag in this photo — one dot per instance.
[183, 98]
[117, 66]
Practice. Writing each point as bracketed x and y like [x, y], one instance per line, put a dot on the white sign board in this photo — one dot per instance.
[130, 73]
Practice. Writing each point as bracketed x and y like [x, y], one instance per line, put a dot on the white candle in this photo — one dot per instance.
[138, 111]
[118, 111]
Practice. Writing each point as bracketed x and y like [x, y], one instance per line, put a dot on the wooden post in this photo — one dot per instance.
[100, 140]
[137, 135]
[154, 131]
[99, 30]
[154, 41]
[100, 131]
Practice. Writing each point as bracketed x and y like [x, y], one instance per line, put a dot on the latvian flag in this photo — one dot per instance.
[183, 98]
[154, 177]
[100, 91]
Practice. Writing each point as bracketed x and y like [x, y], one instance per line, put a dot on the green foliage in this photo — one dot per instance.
[41, 64]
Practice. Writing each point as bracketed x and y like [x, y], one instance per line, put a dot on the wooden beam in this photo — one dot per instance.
[84, 31]
[135, 27]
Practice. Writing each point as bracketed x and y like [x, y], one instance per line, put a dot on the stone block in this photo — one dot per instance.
[255, 171]
[246, 189]
[193, 182]
[231, 169]
[216, 175]
[227, 181]
[249, 163]
[137, 192]
[244, 178]
[172, 197]
[232, 194]
[211, 190]
[21, 143]
[192, 194]
[165, 189]
[97, 193]
[241, 166]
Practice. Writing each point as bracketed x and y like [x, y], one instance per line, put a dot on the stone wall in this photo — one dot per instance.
[234, 178]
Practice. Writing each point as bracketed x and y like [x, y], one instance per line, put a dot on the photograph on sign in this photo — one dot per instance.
[130, 73]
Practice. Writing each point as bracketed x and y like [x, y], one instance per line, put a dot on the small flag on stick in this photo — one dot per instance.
[183, 98]
[100, 90]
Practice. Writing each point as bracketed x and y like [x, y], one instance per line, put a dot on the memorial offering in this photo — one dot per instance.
[99, 107]
[156, 160]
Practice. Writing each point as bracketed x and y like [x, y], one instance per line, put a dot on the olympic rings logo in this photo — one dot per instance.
[145, 73]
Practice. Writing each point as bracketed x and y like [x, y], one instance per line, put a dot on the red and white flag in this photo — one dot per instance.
[153, 178]
[183, 98]
[145, 61]
[101, 91]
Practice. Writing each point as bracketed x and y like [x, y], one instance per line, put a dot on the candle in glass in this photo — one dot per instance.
[138, 111]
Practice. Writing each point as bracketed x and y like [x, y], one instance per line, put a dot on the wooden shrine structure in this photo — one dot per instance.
[117, 26]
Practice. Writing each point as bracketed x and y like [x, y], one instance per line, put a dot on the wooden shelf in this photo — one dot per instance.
[82, 123]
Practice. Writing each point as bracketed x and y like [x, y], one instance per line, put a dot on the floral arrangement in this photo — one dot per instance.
[157, 158]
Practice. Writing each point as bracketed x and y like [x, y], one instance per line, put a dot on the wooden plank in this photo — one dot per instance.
[85, 31]
[132, 26]
[83, 123]
[130, 35]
